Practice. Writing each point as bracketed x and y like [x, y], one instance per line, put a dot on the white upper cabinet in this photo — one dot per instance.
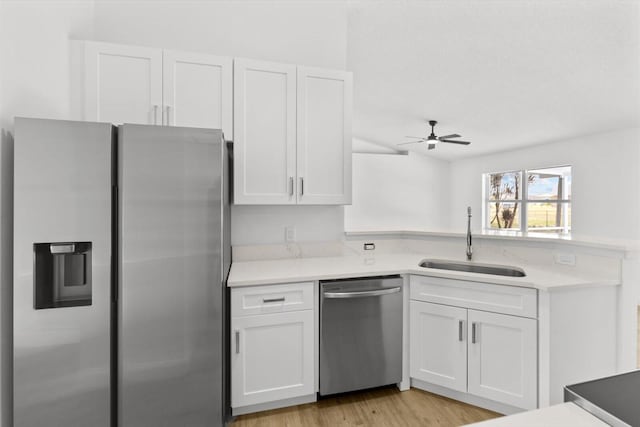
[198, 91]
[291, 125]
[264, 133]
[123, 84]
[131, 84]
[292, 134]
[324, 136]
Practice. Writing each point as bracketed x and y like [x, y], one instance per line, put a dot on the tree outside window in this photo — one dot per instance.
[543, 204]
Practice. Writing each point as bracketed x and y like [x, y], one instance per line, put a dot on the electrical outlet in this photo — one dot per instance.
[565, 259]
[290, 234]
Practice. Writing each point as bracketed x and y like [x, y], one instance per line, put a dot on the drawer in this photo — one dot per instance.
[504, 299]
[271, 299]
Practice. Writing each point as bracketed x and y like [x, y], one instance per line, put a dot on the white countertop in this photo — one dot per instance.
[264, 272]
[562, 415]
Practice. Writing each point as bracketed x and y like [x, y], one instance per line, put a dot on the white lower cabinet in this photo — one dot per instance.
[272, 355]
[485, 354]
[438, 342]
[502, 358]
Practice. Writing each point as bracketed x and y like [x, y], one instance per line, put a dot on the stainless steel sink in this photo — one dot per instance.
[496, 270]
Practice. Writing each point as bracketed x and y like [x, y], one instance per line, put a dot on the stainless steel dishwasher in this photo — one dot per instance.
[360, 333]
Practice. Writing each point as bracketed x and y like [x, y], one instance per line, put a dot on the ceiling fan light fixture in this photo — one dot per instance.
[432, 139]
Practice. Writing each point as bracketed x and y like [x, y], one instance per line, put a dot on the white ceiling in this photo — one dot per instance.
[502, 73]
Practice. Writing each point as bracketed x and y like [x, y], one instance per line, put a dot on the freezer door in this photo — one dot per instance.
[170, 290]
[62, 280]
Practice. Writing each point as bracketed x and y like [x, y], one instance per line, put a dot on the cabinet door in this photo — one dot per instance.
[123, 84]
[438, 344]
[264, 133]
[272, 357]
[198, 91]
[324, 136]
[503, 358]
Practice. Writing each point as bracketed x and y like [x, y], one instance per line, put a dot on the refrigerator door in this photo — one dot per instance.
[171, 276]
[62, 279]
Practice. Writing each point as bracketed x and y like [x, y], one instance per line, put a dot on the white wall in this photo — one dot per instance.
[34, 81]
[605, 188]
[398, 192]
[309, 33]
[299, 32]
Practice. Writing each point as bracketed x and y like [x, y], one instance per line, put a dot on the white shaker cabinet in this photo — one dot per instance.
[438, 343]
[264, 133]
[457, 343]
[142, 85]
[273, 347]
[198, 91]
[292, 134]
[272, 357]
[324, 136]
[502, 358]
[122, 84]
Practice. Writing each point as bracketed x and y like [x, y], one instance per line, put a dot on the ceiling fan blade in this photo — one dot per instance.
[453, 135]
[431, 146]
[410, 142]
[455, 142]
[416, 137]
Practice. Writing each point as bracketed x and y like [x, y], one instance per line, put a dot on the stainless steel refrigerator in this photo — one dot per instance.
[121, 251]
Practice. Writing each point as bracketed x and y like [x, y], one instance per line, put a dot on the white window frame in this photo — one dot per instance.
[524, 201]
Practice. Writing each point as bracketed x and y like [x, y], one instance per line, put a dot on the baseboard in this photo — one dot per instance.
[432, 388]
[249, 409]
[491, 405]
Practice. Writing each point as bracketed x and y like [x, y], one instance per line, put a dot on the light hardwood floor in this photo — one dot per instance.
[384, 406]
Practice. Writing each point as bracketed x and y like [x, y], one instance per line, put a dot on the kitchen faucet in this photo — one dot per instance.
[469, 248]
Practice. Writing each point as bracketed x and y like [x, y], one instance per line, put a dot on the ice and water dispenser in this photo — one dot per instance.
[62, 274]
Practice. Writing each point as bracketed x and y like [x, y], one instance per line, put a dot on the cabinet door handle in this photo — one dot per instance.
[237, 341]
[155, 114]
[266, 300]
[168, 122]
[460, 328]
[473, 333]
[301, 186]
[290, 186]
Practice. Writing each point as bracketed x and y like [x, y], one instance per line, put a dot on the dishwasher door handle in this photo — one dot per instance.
[358, 294]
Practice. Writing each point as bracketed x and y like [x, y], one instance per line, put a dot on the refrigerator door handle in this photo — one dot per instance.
[168, 121]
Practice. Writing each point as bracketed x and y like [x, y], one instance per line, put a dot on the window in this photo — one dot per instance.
[537, 200]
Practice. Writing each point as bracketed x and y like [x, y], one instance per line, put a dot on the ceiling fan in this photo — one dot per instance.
[432, 139]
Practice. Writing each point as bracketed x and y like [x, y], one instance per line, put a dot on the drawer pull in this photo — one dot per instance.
[460, 327]
[267, 300]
